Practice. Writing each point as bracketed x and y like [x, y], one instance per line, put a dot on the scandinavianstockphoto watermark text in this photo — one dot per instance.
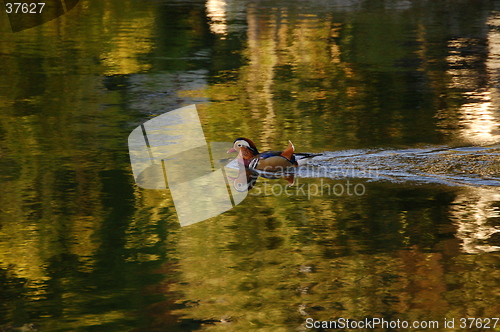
[382, 323]
[346, 188]
[325, 187]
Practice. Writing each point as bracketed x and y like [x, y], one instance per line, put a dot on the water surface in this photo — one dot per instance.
[409, 89]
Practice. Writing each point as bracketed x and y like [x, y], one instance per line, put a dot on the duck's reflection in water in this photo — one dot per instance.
[247, 176]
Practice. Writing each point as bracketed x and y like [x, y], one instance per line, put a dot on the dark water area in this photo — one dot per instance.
[401, 97]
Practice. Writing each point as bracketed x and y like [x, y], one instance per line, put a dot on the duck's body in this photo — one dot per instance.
[270, 160]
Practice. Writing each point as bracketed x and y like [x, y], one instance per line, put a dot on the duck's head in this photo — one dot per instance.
[243, 142]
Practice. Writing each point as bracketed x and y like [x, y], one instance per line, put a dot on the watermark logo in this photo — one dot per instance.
[26, 14]
[171, 151]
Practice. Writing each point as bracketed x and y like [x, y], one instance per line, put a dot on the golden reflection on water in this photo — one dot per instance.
[252, 104]
[263, 59]
[128, 45]
[475, 212]
[479, 119]
[479, 123]
[216, 12]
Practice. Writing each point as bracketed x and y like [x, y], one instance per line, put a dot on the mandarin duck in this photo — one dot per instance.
[270, 160]
[250, 164]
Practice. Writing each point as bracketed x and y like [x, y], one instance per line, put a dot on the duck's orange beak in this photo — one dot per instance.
[231, 150]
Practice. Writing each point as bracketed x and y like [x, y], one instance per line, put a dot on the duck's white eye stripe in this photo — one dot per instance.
[243, 143]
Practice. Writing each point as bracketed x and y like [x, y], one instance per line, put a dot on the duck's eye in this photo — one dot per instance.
[239, 185]
[239, 145]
